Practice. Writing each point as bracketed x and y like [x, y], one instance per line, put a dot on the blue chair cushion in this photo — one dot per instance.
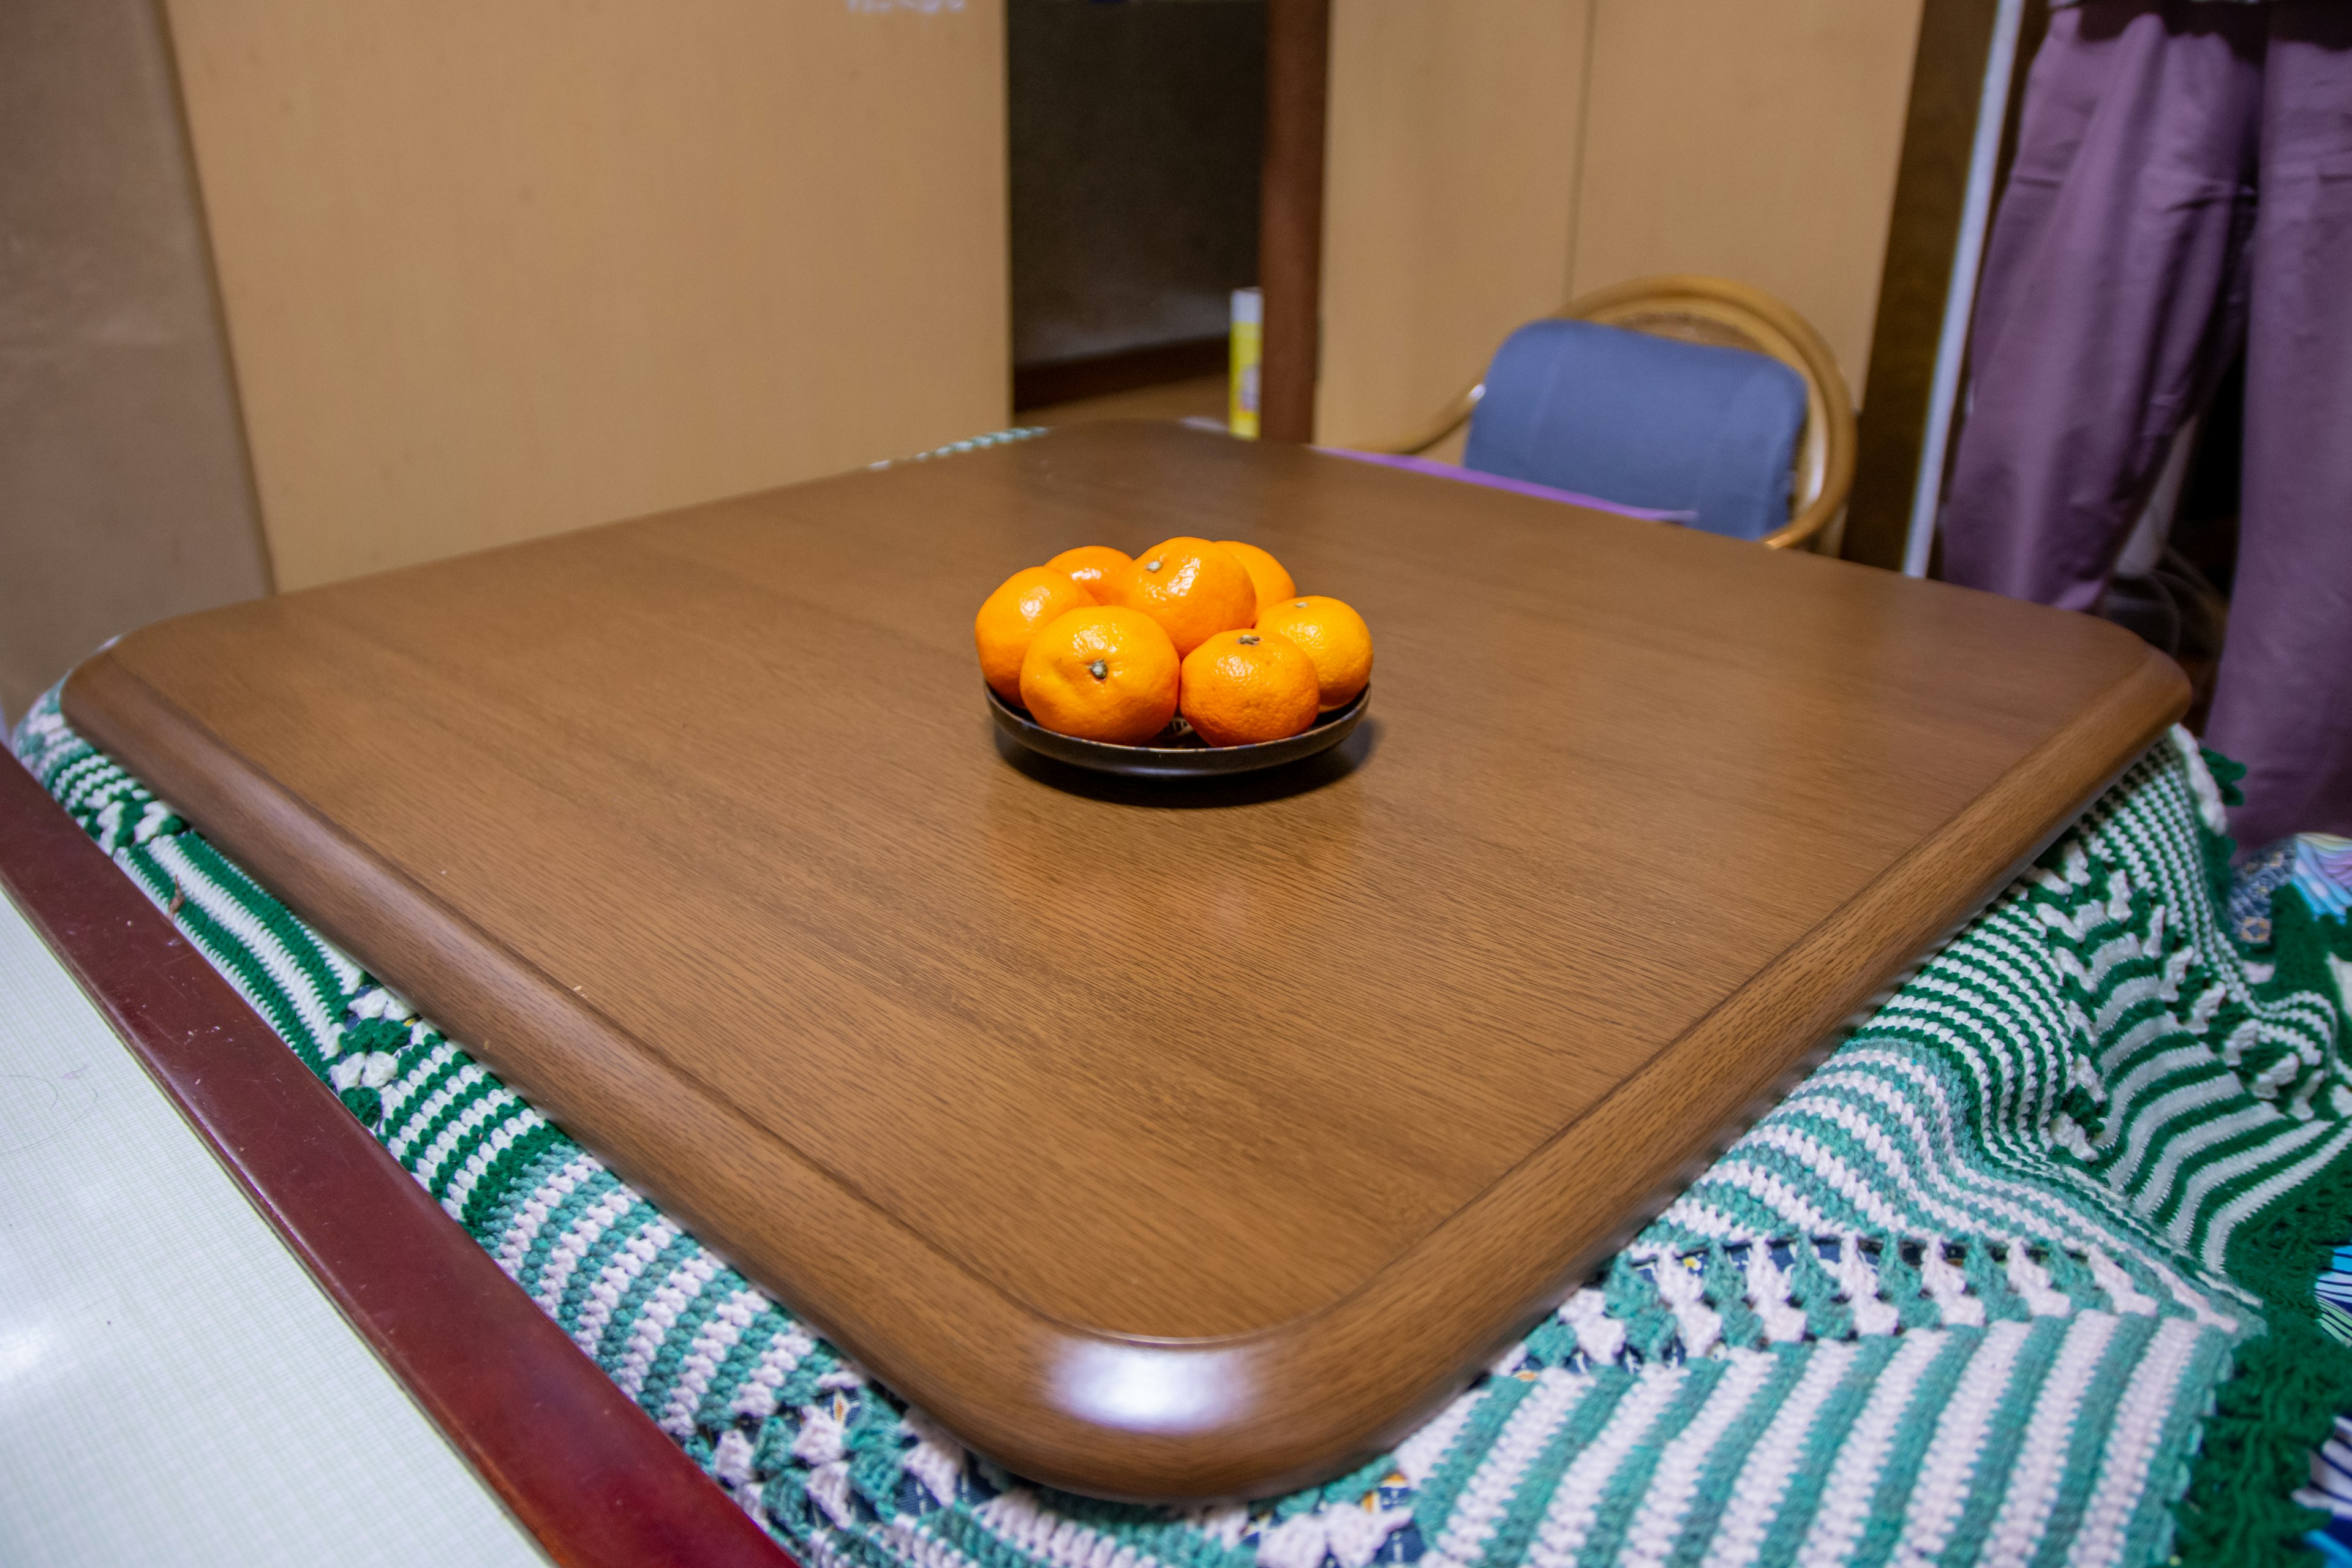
[1643, 421]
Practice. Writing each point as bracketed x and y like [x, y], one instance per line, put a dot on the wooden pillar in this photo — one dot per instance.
[1290, 215]
[1955, 38]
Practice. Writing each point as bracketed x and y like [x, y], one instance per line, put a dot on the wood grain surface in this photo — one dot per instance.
[1159, 1143]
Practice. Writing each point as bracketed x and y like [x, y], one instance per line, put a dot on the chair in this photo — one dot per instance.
[1716, 313]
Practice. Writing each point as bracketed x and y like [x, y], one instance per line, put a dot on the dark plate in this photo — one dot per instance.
[1176, 753]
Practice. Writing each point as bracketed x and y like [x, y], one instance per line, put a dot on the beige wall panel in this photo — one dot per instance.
[495, 270]
[123, 492]
[1758, 141]
[1448, 197]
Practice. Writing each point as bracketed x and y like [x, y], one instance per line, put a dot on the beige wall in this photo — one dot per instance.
[123, 492]
[1448, 197]
[495, 270]
[1528, 151]
[1757, 142]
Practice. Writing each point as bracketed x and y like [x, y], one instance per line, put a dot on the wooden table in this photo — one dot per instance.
[1159, 1144]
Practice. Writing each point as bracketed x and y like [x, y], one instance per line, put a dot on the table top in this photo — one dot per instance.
[1159, 1142]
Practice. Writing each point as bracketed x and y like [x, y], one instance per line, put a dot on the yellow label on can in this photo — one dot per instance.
[1247, 339]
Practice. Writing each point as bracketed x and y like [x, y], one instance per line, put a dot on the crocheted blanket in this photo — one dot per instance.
[2023, 1273]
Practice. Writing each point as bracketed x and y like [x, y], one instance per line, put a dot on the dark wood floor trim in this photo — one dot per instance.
[1100, 375]
[582, 1468]
[1955, 41]
[1930, 190]
[1290, 215]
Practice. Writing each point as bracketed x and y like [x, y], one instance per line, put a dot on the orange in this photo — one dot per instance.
[1088, 565]
[1333, 636]
[1245, 686]
[1101, 673]
[1266, 573]
[1010, 617]
[1192, 588]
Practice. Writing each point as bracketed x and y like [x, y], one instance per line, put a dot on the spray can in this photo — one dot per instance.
[1248, 338]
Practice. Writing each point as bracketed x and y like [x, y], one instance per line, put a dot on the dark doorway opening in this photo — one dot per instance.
[1137, 131]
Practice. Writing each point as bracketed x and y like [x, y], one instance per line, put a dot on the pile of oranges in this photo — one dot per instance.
[1109, 647]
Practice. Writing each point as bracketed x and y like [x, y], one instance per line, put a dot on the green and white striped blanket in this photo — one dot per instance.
[1974, 1293]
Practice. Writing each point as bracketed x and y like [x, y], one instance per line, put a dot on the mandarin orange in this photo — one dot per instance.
[1267, 575]
[1242, 687]
[1088, 565]
[1101, 673]
[1010, 617]
[1333, 636]
[1192, 588]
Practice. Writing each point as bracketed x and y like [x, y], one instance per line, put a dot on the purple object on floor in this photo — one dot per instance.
[1437, 470]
